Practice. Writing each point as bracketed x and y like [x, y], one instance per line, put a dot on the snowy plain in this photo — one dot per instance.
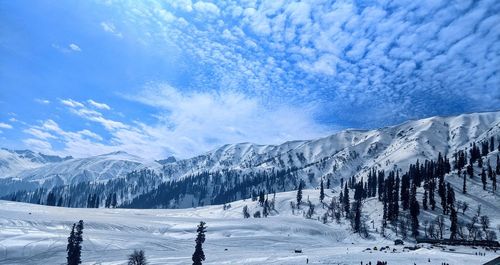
[35, 234]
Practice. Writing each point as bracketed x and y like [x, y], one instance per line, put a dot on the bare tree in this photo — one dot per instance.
[491, 235]
[440, 225]
[460, 230]
[426, 224]
[432, 231]
[471, 227]
[465, 206]
[403, 226]
[485, 222]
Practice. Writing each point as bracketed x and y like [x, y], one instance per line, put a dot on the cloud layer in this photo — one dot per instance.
[258, 71]
[186, 124]
[391, 59]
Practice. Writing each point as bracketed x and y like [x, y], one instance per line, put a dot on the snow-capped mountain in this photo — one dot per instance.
[14, 161]
[74, 170]
[350, 152]
[341, 155]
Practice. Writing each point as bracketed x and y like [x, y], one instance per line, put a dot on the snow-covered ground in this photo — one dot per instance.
[34, 234]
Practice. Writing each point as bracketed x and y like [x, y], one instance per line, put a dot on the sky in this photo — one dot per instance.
[159, 78]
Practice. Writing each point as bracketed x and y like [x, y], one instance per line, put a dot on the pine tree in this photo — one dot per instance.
[199, 255]
[299, 194]
[70, 247]
[470, 171]
[321, 192]
[424, 200]
[346, 202]
[442, 194]
[328, 183]
[405, 192]
[432, 200]
[381, 178]
[137, 258]
[492, 144]
[450, 196]
[454, 223]
[246, 214]
[414, 211]
[464, 187]
[262, 198]
[483, 178]
[494, 182]
[74, 247]
[357, 217]
[265, 210]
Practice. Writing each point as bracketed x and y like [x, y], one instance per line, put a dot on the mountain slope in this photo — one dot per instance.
[349, 152]
[14, 161]
[95, 168]
[338, 156]
[167, 236]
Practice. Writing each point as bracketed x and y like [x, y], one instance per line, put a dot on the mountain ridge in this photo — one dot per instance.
[340, 155]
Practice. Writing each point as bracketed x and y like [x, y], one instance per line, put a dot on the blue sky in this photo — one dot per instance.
[156, 78]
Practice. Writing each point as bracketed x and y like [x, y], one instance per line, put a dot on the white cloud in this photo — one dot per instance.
[90, 134]
[110, 27]
[5, 125]
[38, 145]
[71, 103]
[96, 116]
[83, 111]
[187, 124]
[191, 123]
[98, 105]
[39, 133]
[75, 47]
[42, 101]
[206, 7]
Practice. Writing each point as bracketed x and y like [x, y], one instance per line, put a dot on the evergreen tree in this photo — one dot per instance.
[483, 178]
[454, 223]
[321, 192]
[51, 199]
[424, 200]
[74, 247]
[494, 182]
[442, 194]
[450, 196]
[265, 211]
[381, 179]
[246, 214]
[299, 194]
[414, 211]
[396, 197]
[432, 200]
[70, 247]
[492, 144]
[470, 171]
[262, 198]
[464, 187]
[346, 202]
[199, 255]
[328, 183]
[357, 217]
[137, 258]
[405, 192]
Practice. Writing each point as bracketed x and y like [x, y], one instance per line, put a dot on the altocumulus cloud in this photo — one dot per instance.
[363, 63]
